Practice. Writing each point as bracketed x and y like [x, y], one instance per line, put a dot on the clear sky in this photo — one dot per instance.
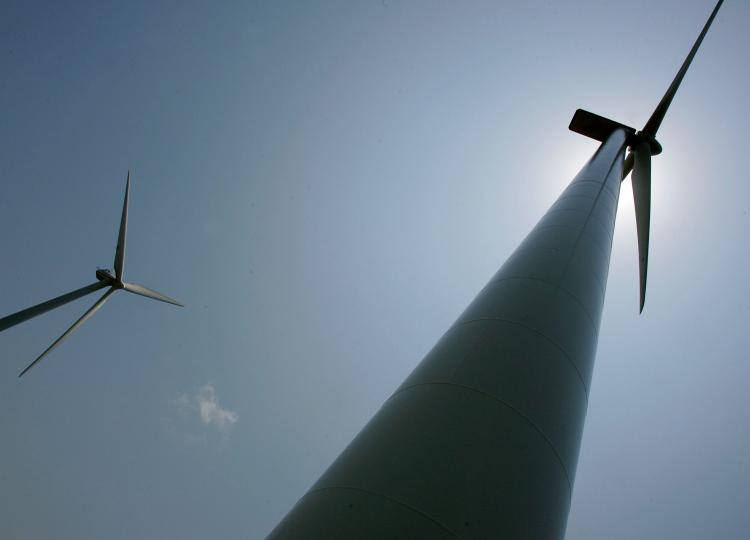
[326, 186]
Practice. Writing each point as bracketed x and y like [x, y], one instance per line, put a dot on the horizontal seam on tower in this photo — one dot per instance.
[575, 182]
[588, 213]
[520, 250]
[391, 499]
[534, 330]
[570, 197]
[506, 404]
[555, 286]
[597, 182]
[565, 196]
[602, 184]
[568, 227]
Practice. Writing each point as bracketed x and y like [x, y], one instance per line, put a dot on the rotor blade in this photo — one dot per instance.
[641, 181]
[654, 122]
[149, 293]
[627, 165]
[28, 313]
[86, 316]
[120, 251]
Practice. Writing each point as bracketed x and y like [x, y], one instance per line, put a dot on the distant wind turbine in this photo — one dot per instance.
[105, 279]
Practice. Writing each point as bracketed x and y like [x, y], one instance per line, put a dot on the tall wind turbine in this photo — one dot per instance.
[104, 279]
[482, 439]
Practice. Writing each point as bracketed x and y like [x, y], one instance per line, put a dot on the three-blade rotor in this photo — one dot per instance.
[639, 160]
[105, 279]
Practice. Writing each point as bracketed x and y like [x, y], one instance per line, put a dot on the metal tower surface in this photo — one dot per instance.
[482, 439]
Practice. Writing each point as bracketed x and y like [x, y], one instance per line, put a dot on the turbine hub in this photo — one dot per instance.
[103, 274]
[639, 137]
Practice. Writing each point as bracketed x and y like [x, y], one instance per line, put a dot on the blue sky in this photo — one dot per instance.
[326, 186]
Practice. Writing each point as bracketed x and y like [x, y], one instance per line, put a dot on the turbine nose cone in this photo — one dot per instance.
[103, 274]
[654, 145]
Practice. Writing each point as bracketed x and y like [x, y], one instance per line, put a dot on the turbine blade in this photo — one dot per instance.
[86, 316]
[120, 251]
[641, 181]
[652, 126]
[627, 165]
[150, 293]
[28, 313]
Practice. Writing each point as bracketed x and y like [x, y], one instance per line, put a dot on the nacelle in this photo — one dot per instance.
[103, 274]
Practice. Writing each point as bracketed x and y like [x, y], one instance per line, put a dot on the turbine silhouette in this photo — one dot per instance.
[104, 279]
[482, 439]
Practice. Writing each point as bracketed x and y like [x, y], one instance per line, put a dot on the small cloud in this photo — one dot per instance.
[206, 404]
[211, 411]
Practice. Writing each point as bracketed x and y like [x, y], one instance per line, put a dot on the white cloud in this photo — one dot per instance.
[206, 404]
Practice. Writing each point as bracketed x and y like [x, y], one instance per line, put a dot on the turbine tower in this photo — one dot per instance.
[104, 279]
[482, 439]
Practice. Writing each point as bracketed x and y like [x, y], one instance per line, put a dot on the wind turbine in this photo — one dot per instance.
[482, 439]
[104, 279]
